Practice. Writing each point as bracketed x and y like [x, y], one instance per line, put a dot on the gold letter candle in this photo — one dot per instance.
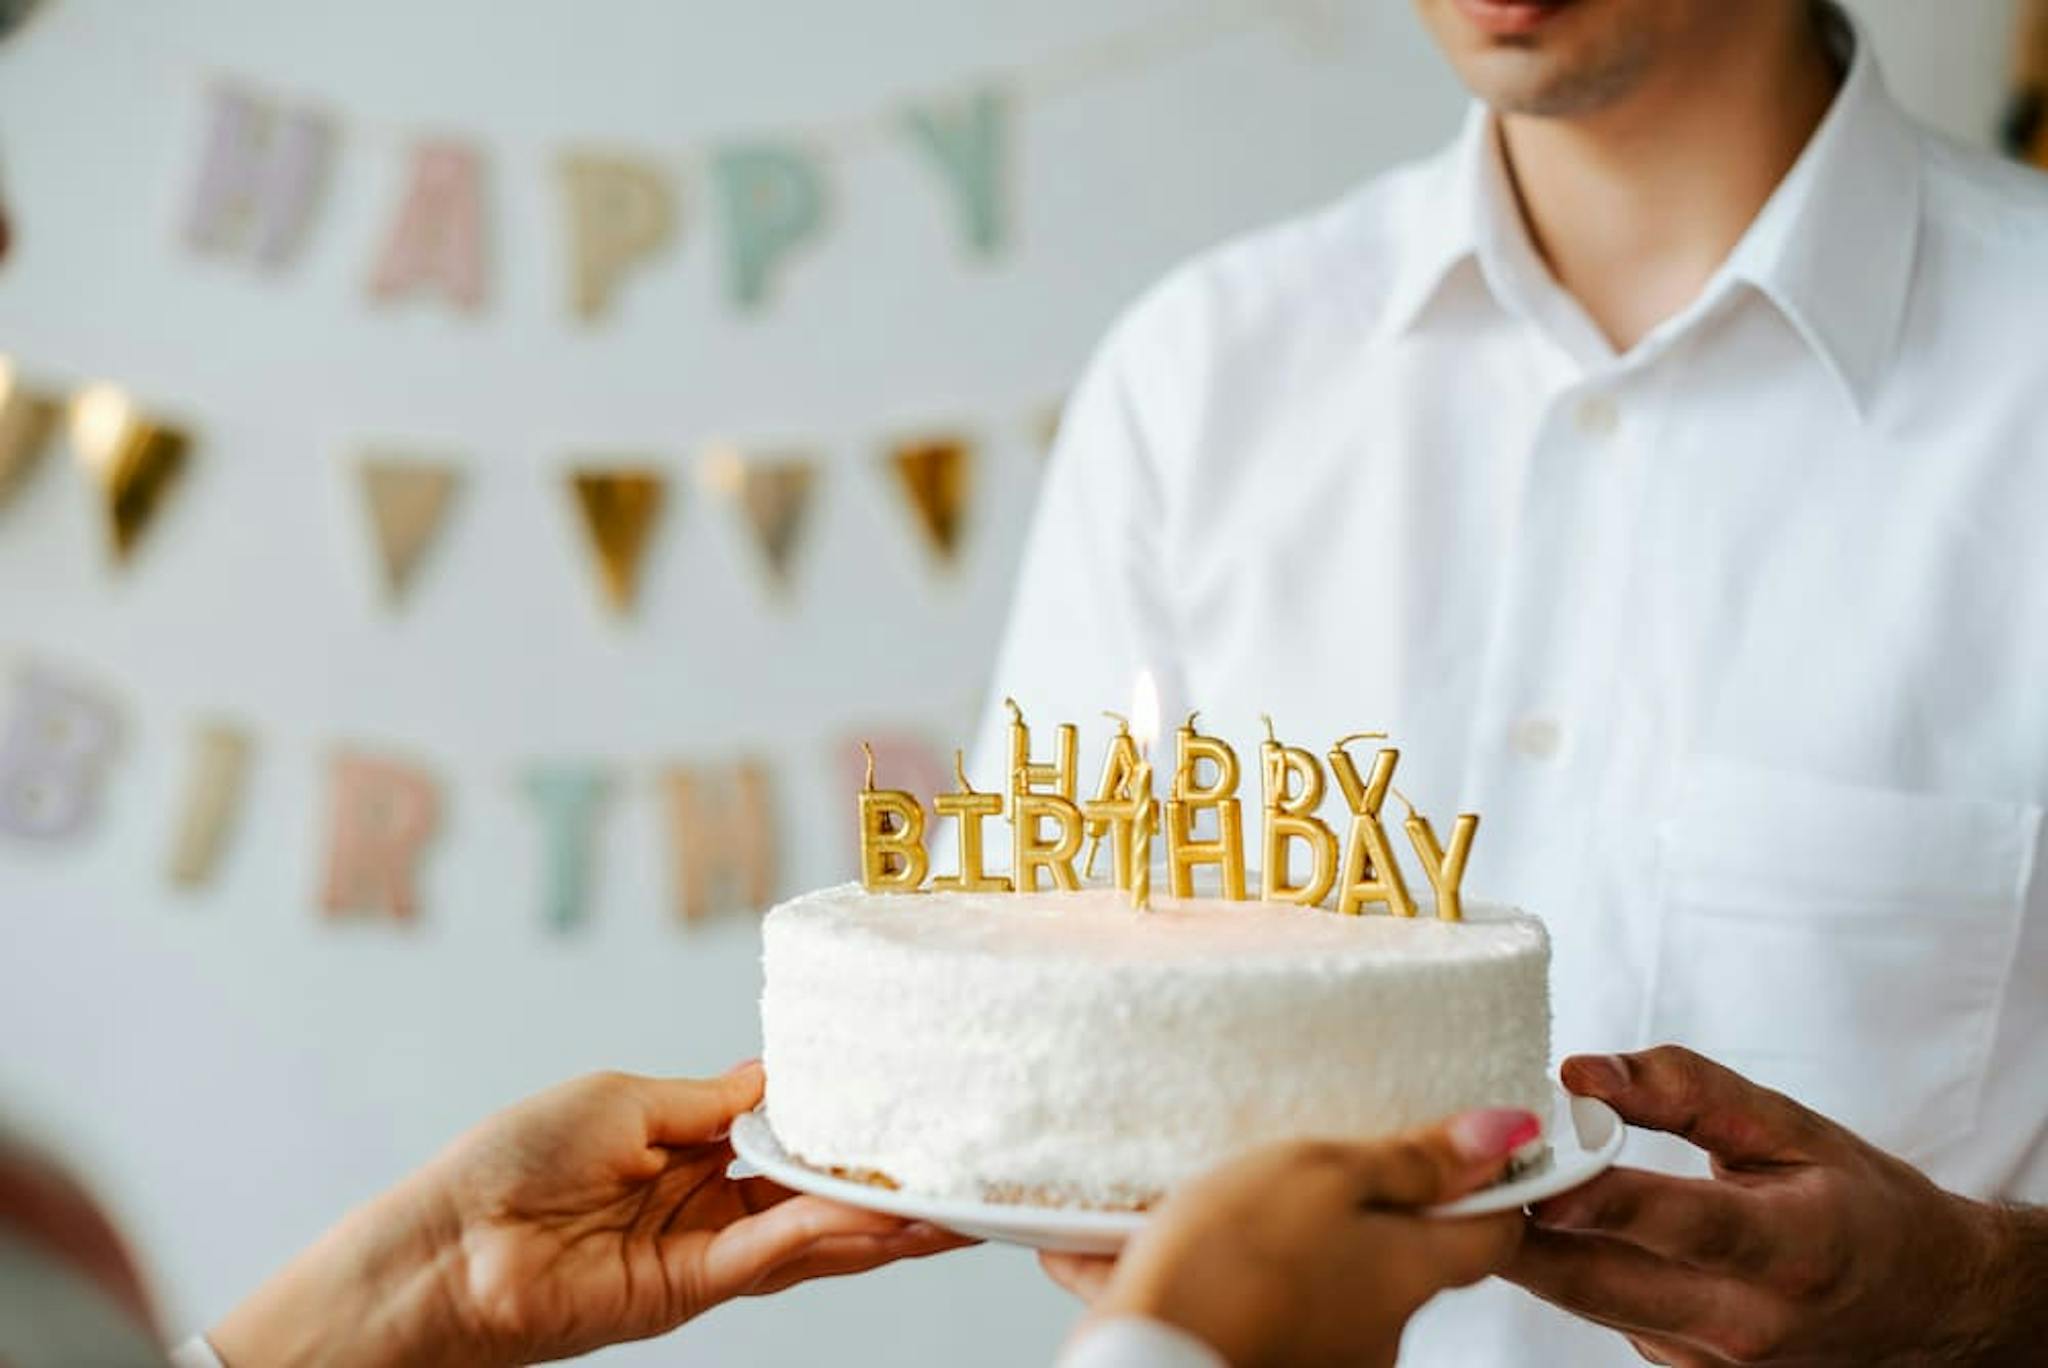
[1190, 797]
[1446, 870]
[892, 858]
[1024, 775]
[1031, 851]
[968, 809]
[1110, 804]
[1290, 816]
[1370, 873]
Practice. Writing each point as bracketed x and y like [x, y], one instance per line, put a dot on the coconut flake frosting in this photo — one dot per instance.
[1062, 1048]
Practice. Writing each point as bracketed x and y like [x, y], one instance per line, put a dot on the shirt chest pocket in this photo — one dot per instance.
[1848, 946]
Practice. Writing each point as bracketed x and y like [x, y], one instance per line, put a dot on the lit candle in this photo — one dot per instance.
[1113, 803]
[1145, 723]
[968, 810]
[1290, 816]
[892, 858]
[1189, 797]
[1444, 869]
[1370, 873]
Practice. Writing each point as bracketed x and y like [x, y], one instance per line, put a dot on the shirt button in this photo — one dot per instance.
[1597, 416]
[1536, 738]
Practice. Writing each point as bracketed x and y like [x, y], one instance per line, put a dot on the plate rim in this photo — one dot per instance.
[754, 1142]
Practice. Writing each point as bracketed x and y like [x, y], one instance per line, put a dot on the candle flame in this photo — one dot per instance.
[1145, 709]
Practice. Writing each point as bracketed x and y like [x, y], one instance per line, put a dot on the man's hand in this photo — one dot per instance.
[1807, 1245]
[596, 1212]
[1310, 1252]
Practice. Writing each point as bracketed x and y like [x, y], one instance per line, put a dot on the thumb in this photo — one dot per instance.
[1456, 1252]
[1441, 1162]
[692, 1111]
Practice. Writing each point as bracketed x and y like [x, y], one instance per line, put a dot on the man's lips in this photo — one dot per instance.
[1508, 17]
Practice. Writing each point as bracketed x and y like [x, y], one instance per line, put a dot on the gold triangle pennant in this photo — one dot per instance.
[935, 475]
[408, 499]
[133, 461]
[27, 419]
[620, 507]
[774, 496]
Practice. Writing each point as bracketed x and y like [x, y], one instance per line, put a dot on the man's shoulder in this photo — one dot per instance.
[1338, 260]
[1989, 201]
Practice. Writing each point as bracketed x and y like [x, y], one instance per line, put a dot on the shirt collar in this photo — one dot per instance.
[1832, 248]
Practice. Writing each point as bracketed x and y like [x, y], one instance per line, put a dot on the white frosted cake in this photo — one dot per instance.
[1064, 1049]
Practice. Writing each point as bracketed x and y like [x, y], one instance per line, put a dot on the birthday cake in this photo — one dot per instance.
[1032, 1036]
[1062, 1048]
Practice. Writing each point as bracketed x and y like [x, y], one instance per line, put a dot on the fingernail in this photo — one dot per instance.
[742, 1067]
[1493, 1133]
[1604, 1075]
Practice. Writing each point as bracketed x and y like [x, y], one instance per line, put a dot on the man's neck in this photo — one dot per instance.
[1636, 206]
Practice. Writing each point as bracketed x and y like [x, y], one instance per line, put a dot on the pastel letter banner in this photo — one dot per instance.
[438, 240]
[213, 796]
[568, 797]
[408, 499]
[621, 212]
[968, 139]
[28, 417]
[722, 827]
[132, 459]
[59, 737]
[934, 475]
[381, 814]
[261, 177]
[620, 507]
[772, 198]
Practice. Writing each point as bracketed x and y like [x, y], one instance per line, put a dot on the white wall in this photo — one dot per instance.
[232, 1071]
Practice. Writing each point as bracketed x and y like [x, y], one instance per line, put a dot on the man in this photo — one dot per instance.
[1663, 466]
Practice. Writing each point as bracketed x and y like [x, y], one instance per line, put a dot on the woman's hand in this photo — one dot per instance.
[596, 1212]
[1311, 1252]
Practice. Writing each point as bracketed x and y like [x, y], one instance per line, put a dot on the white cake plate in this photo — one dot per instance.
[1584, 1137]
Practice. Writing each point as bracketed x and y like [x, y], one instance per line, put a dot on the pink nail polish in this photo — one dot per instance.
[1493, 1133]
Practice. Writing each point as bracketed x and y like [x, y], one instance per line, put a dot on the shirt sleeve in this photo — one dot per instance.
[1137, 1342]
[1092, 605]
[195, 1353]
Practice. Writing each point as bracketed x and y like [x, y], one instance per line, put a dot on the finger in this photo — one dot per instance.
[1672, 1089]
[841, 1255]
[746, 1251]
[1442, 1162]
[1717, 1227]
[758, 1194]
[1084, 1275]
[690, 1111]
[1631, 1289]
[1460, 1252]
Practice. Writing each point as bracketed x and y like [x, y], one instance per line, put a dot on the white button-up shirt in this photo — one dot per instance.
[1739, 640]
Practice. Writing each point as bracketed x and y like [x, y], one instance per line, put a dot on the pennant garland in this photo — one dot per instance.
[133, 461]
[620, 508]
[773, 495]
[60, 734]
[28, 418]
[408, 498]
[934, 475]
